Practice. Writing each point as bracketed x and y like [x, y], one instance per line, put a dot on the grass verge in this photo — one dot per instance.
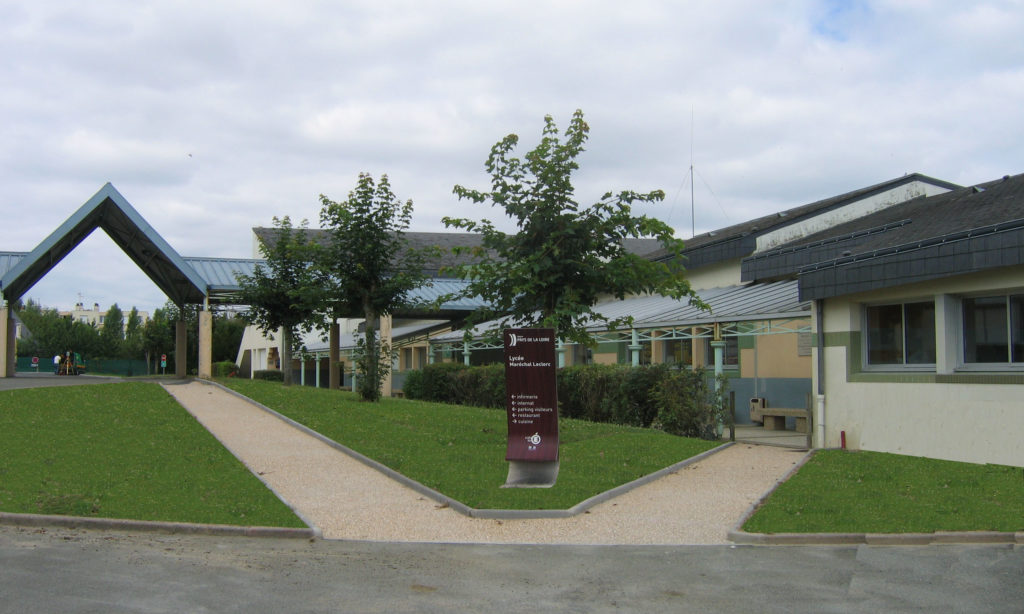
[872, 492]
[460, 451]
[123, 451]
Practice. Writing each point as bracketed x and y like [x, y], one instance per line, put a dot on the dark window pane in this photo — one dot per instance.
[920, 333]
[1017, 327]
[885, 335]
[985, 332]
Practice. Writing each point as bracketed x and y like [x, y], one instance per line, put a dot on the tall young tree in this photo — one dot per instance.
[157, 336]
[284, 293]
[133, 335]
[369, 268]
[112, 332]
[564, 257]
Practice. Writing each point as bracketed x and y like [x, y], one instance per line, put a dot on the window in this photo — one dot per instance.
[901, 334]
[994, 329]
[679, 352]
[730, 353]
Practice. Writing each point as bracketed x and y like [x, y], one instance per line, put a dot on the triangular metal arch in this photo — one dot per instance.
[109, 210]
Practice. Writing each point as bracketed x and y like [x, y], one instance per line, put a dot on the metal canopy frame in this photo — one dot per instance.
[109, 210]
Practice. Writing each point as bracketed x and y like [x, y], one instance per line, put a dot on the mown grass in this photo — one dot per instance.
[873, 492]
[123, 451]
[460, 451]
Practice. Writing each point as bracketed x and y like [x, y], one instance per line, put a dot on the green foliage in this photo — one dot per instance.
[133, 340]
[269, 375]
[434, 382]
[691, 404]
[284, 293]
[564, 257]
[367, 268]
[227, 337]
[372, 365]
[123, 451]
[838, 491]
[610, 393]
[158, 336]
[460, 451]
[482, 386]
[225, 368]
[112, 333]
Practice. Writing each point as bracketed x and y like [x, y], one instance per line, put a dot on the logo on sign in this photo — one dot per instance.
[534, 439]
[513, 340]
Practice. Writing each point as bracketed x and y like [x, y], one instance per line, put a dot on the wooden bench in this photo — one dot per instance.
[775, 418]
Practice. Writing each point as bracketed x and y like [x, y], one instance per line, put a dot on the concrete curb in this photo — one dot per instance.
[153, 526]
[876, 539]
[462, 508]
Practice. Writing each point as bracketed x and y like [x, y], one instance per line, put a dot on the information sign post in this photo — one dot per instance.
[531, 403]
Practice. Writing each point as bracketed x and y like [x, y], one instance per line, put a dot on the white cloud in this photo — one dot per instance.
[211, 118]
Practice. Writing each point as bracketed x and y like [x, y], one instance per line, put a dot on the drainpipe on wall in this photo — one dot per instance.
[819, 420]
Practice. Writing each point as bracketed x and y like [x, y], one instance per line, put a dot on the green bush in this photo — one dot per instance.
[271, 375]
[480, 386]
[225, 368]
[690, 404]
[618, 394]
[434, 383]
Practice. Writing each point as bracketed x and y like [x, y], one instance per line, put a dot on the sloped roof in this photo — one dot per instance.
[108, 210]
[965, 231]
[768, 301]
[740, 240]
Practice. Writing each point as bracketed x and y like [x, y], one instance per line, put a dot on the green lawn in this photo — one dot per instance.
[872, 492]
[123, 451]
[460, 451]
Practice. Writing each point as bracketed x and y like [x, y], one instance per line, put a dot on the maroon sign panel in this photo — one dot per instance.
[530, 396]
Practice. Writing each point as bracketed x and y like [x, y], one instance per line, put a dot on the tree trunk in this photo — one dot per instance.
[286, 355]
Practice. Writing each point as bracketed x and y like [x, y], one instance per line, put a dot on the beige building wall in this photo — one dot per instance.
[776, 355]
[718, 275]
[950, 412]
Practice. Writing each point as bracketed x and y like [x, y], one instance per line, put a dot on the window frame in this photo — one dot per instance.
[960, 318]
[904, 366]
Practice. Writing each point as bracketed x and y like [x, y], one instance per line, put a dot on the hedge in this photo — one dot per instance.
[681, 402]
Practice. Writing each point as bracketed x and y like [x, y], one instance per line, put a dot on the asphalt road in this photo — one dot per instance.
[58, 570]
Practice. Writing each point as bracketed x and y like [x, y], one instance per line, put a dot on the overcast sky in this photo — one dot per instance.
[214, 117]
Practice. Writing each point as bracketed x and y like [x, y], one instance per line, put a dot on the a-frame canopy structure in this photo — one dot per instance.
[109, 210]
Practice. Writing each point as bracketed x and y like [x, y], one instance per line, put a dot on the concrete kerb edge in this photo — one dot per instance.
[462, 508]
[153, 526]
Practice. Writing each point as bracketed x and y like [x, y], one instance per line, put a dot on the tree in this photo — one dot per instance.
[112, 332]
[368, 268]
[284, 294]
[157, 337]
[564, 257]
[132, 347]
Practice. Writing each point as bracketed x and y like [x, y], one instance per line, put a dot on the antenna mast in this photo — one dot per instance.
[693, 221]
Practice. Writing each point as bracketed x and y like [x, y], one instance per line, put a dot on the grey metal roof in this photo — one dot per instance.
[8, 260]
[108, 210]
[767, 301]
[347, 341]
[965, 231]
[740, 240]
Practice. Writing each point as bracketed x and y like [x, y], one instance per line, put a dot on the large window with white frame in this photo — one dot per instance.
[900, 335]
[993, 329]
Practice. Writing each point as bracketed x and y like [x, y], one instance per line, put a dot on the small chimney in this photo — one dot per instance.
[95, 306]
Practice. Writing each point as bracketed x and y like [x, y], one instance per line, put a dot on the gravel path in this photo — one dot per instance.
[345, 499]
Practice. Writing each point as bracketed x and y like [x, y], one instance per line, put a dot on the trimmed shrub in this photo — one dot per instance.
[225, 368]
[271, 375]
[690, 404]
[480, 386]
[434, 383]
